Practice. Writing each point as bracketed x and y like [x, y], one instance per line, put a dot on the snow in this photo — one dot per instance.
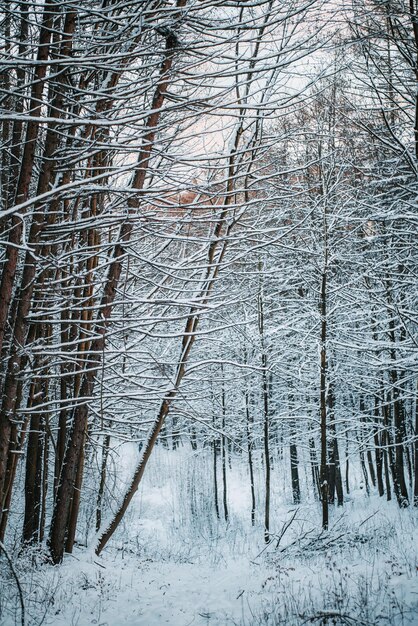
[173, 562]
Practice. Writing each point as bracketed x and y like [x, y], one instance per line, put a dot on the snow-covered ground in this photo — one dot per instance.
[174, 563]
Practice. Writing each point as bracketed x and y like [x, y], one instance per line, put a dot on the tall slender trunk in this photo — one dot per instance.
[416, 452]
[294, 464]
[75, 503]
[403, 499]
[377, 436]
[102, 485]
[323, 402]
[45, 466]
[314, 468]
[334, 469]
[386, 465]
[398, 413]
[248, 426]
[390, 450]
[347, 465]
[266, 417]
[215, 476]
[34, 467]
[224, 448]
[365, 452]
[363, 466]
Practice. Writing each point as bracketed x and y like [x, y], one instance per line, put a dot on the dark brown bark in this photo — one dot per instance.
[65, 491]
[403, 499]
[22, 188]
[44, 495]
[62, 435]
[34, 467]
[24, 295]
[15, 454]
[102, 485]
[75, 503]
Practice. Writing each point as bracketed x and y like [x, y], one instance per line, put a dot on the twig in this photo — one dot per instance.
[325, 615]
[285, 527]
[280, 535]
[367, 519]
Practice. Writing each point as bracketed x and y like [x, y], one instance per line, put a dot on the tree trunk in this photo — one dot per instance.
[386, 465]
[323, 403]
[416, 453]
[266, 417]
[103, 470]
[378, 447]
[314, 468]
[334, 469]
[248, 423]
[294, 464]
[223, 450]
[33, 479]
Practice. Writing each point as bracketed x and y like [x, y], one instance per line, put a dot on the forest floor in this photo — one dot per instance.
[173, 562]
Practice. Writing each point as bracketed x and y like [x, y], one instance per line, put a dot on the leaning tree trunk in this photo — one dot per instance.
[214, 261]
[189, 337]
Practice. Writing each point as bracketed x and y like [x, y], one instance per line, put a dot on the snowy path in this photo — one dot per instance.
[172, 562]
